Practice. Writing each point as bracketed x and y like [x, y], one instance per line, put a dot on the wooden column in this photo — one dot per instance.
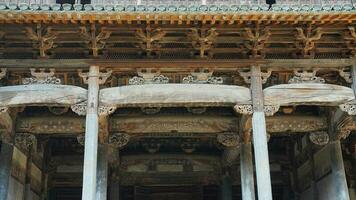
[102, 175]
[338, 171]
[226, 189]
[91, 136]
[263, 176]
[246, 167]
[5, 168]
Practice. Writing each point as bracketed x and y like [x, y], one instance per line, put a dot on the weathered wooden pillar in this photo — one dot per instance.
[263, 176]
[5, 168]
[338, 171]
[246, 168]
[102, 175]
[226, 188]
[91, 136]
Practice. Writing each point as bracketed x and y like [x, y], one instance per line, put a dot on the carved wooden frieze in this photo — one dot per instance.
[148, 76]
[51, 125]
[169, 124]
[282, 124]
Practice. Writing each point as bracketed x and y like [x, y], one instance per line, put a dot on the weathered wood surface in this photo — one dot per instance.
[166, 95]
[307, 94]
[6, 123]
[129, 65]
[41, 94]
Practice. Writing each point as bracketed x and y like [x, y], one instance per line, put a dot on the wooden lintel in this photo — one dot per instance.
[65, 64]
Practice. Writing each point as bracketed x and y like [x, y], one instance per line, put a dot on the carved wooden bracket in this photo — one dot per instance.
[305, 41]
[255, 41]
[95, 41]
[319, 138]
[149, 39]
[2, 72]
[41, 77]
[43, 38]
[269, 110]
[103, 110]
[203, 76]
[229, 139]
[203, 41]
[306, 76]
[246, 75]
[350, 108]
[148, 76]
[350, 39]
[103, 76]
[119, 140]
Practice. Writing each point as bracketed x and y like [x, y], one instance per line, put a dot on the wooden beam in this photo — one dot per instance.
[74, 64]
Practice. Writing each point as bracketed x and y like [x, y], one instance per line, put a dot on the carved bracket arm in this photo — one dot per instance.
[269, 110]
[81, 109]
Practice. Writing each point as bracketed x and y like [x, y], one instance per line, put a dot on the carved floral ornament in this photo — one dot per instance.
[203, 76]
[103, 110]
[148, 76]
[305, 76]
[41, 77]
[119, 140]
[269, 110]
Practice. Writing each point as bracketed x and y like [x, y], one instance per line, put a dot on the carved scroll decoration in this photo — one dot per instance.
[204, 76]
[103, 110]
[103, 76]
[25, 140]
[229, 139]
[244, 109]
[2, 72]
[43, 38]
[319, 138]
[255, 41]
[95, 41]
[350, 108]
[81, 139]
[269, 110]
[305, 41]
[350, 38]
[305, 76]
[119, 140]
[203, 41]
[147, 76]
[41, 77]
[149, 40]
[80, 109]
[246, 75]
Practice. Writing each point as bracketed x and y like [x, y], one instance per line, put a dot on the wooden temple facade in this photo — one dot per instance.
[177, 100]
